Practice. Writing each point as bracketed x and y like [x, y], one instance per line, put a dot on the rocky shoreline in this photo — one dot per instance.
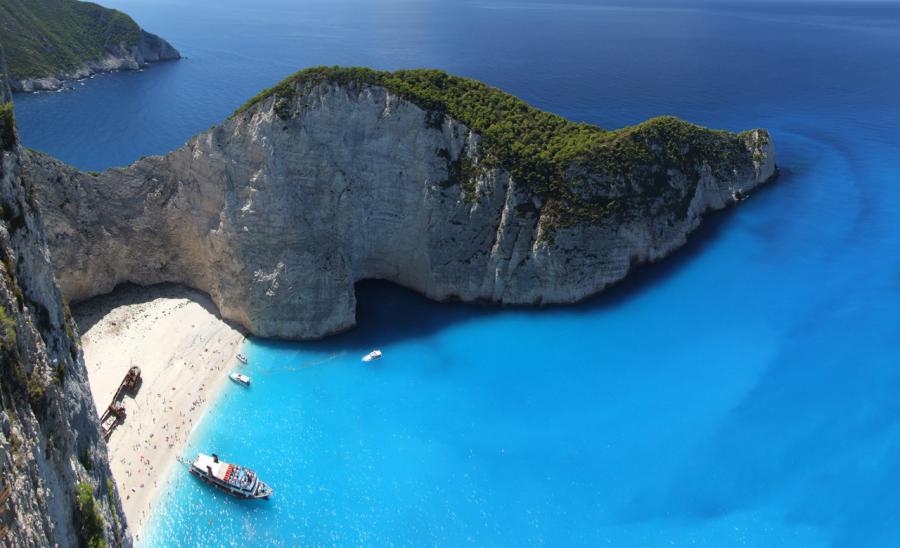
[150, 49]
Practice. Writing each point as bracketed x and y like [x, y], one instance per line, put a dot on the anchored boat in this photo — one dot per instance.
[239, 378]
[241, 358]
[235, 480]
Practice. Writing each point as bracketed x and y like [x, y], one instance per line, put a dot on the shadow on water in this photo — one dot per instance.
[645, 276]
[388, 313]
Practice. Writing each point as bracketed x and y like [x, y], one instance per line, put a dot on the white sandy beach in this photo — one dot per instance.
[185, 352]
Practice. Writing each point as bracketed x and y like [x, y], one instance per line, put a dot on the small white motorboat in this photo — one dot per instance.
[373, 355]
[239, 378]
[241, 358]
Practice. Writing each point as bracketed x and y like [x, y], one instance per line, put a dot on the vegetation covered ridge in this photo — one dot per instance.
[574, 168]
[48, 37]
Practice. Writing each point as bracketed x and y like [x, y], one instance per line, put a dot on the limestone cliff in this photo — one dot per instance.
[49, 42]
[52, 457]
[327, 181]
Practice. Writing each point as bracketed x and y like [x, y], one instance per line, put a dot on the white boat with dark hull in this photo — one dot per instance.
[373, 355]
[239, 378]
[233, 479]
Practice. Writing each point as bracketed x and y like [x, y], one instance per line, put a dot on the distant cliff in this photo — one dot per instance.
[48, 42]
[52, 457]
[437, 183]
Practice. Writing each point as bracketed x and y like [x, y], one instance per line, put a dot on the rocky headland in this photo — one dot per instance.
[51, 42]
[440, 184]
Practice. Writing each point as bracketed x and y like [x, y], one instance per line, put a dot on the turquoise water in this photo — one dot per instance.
[744, 392]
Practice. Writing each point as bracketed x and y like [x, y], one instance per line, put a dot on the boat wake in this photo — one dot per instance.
[302, 366]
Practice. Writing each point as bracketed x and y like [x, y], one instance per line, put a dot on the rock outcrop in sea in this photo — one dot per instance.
[330, 179]
[56, 488]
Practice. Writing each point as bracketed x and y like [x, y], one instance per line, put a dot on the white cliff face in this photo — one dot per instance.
[280, 211]
[150, 49]
[50, 439]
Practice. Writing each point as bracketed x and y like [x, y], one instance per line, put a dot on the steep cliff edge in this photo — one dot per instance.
[437, 183]
[48, 42]
[52, 457]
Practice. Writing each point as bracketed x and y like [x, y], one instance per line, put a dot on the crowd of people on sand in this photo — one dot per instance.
[138, 476]
[173, 435]
[179, 379]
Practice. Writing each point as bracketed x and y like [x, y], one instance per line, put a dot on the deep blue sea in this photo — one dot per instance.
[744, 392]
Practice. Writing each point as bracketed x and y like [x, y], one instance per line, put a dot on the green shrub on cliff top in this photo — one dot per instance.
[45, 37]
[531, 141]
[539, 148]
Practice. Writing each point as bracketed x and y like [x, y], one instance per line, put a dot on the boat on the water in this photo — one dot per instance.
[239, 378]
[373, 355]
[241, 358]
[233, 479]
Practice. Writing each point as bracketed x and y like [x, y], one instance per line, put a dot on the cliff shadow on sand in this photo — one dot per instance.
[87, 313]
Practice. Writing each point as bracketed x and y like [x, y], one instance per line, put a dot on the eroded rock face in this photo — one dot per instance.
[150, 49]
[281, 210]
[50, 440]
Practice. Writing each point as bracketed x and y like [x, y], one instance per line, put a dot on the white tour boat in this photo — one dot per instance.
[239, 378]
[235, 480]
[373, 355]
[242, 358]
